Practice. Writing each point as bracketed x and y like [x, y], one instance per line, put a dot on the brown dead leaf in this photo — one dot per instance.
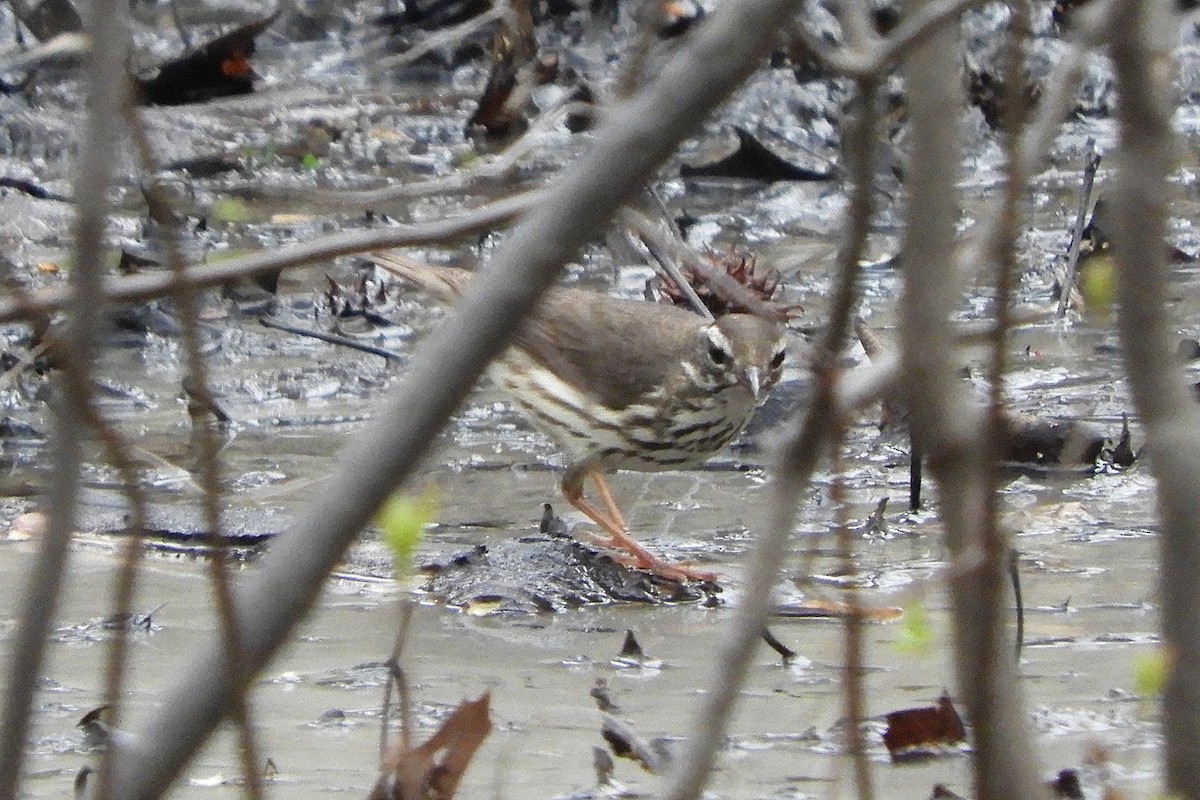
[417, 774]
[922, 727]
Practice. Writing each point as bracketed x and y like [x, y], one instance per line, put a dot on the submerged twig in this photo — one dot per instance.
[1091, 162]
[399, 679]
[331, 338]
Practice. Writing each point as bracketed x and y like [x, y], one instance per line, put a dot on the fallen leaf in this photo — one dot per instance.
[417, 774]
[922, 727]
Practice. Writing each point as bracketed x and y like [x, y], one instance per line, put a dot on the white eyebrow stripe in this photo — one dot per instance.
[719, 339]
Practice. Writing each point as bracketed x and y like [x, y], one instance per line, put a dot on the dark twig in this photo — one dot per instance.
[1014, 575]
[772, 641]
[332, 338]
[1091, 162]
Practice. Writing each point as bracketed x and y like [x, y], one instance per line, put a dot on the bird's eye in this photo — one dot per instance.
[718, 355]
[777, 360]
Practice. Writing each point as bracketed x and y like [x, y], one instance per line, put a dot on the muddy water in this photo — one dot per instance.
[1087, 543]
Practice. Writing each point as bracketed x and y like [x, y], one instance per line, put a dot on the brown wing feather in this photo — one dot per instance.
[444, 283]
[608, 347]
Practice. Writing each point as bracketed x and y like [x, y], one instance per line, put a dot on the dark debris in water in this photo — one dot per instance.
[538, 573]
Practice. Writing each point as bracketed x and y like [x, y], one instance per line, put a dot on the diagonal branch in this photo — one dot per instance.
[798, 460]
[639, 136]
[950, 427]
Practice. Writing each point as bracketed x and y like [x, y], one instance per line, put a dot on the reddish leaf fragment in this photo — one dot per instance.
[707, 281]
[417, 774]
[220, 68]
[913, 728]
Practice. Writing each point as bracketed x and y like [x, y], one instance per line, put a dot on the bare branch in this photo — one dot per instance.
[798, 460]
[1140, 35]
[950, 428]
[138, 288]
[99, 149]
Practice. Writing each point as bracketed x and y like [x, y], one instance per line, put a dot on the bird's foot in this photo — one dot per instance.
[639, 557]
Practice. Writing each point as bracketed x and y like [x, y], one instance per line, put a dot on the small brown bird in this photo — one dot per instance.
[626, 384]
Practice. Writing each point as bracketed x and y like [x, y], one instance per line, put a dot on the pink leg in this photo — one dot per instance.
[613, 523]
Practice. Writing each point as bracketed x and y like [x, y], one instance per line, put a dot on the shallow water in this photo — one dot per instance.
[1087, 543]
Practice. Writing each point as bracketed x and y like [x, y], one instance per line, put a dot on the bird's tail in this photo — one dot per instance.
[444, 283]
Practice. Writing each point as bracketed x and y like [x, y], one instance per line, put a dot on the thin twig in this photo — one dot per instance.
[149, 286]
[1141, 35]
[949, 426]
[653, 240]
[997, 551]
[869, 56]
[204, 438]
[444, 38]
[713, 276]
[98, 150]
[343, 341]
[1091, 161]
[853, 668]
[798, 460]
